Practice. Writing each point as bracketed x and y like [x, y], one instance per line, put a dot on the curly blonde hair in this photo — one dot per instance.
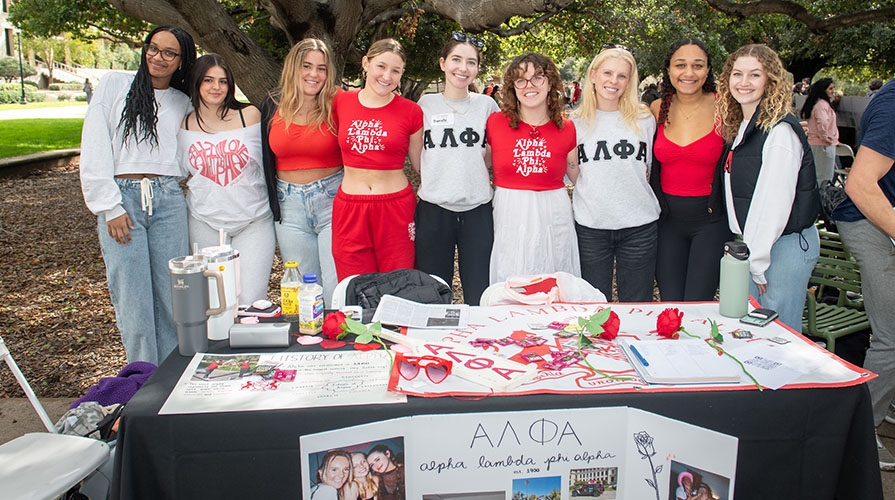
[776, 102]
[291, 98]
[629, 105]
[542, 65]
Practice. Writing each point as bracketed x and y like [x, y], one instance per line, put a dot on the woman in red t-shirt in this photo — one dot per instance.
[373, 228]
[686, 178]
[531, 143]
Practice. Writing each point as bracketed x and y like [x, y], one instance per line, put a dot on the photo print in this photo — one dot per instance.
[537, 487]
[692, 483]
[361, 470]
[595, 482]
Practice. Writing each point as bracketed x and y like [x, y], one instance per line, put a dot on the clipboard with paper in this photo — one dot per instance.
[680, 361]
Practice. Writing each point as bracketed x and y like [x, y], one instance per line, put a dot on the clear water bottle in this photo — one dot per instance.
[310, 306]
[733, 295]
[289, 288]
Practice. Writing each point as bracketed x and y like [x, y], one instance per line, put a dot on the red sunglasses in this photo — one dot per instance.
[437, 369]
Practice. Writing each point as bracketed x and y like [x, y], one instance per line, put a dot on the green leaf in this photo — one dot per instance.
[355, 327]
[594, 324]
[716, 335]
[584, 341]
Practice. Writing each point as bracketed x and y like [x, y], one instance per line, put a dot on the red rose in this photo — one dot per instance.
[669, 323]
[334, 325]
[610, 326]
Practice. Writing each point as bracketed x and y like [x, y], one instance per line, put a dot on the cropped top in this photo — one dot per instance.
[688, 170]
[303, 147]
[375, 138]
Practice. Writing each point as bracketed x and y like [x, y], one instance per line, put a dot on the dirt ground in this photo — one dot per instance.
[55, 312]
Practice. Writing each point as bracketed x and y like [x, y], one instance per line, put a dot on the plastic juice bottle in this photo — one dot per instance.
[310, 306]
[289, 289]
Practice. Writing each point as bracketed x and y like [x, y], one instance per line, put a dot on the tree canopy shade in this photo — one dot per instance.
[253, 35]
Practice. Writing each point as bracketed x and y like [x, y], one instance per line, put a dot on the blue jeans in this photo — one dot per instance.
[632, 250]
[305, 231]
[137, 272]
[793, 257]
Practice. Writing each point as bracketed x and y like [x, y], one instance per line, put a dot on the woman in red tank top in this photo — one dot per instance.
[686, 178]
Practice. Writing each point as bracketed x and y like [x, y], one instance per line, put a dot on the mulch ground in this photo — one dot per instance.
[55, 312]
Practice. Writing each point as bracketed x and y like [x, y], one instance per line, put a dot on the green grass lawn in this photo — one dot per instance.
[35, 105]
[26, 136]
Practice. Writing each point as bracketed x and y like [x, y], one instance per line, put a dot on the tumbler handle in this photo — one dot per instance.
[222, 298]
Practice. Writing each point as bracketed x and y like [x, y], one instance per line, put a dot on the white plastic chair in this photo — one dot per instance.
[45, 465]
[840, 174]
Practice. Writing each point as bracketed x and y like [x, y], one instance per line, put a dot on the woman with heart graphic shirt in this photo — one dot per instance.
[220, 148]
[373, 229]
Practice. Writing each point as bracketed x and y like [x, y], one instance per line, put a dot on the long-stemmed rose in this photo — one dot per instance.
[603, 324]
[334, 326]
[715, 340]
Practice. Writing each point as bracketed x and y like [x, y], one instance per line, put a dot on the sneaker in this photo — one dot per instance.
[886, 460]
[890, 414]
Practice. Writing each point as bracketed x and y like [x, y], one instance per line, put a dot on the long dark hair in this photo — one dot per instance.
[140, 113]
[666, 88]
[200, 69]
[816, 92]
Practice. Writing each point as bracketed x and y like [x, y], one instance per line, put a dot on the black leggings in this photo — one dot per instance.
[690, 250]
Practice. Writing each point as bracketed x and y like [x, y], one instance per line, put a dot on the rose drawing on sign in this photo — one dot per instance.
[647, 450]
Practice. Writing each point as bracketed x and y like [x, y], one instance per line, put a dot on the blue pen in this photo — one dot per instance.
[640, 357]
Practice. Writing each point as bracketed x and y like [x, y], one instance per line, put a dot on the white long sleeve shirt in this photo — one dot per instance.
[775, 190]
[103, 153]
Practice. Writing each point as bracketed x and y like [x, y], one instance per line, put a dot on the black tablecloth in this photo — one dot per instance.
[793, 444]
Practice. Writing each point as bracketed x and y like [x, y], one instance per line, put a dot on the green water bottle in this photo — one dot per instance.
[733, 294]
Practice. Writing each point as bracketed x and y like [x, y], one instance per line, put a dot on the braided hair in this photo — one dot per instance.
[666, 88]
[140, 113]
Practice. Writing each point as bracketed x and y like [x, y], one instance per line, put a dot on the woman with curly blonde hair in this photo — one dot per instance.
[531, 143]
[769, 181]
[615, 207]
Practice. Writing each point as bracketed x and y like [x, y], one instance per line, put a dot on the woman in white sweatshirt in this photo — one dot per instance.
[129, 177]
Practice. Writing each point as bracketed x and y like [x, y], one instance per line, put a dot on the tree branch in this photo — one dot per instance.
[799, 13]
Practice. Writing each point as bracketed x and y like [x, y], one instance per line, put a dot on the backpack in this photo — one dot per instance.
[366, 290]
[831, 196]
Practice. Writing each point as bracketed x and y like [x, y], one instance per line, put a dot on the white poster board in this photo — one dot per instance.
[620, 453]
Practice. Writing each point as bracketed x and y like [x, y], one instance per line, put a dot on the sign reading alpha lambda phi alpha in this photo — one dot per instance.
[622, 453]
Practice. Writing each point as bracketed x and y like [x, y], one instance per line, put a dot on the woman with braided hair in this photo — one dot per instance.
[686, 178]
[129, 177]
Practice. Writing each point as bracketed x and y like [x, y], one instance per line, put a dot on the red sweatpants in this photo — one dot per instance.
[373, 233]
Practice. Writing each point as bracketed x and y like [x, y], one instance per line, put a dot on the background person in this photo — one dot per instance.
[129, 177]
[866, 222]
[770, 186]
[220, 147]
[302, 160]
[455, 192]
[615, 208]
[531, 143]
[390, 474]
[686, 176]
[366, 482]
[823, 134]
[373, 209]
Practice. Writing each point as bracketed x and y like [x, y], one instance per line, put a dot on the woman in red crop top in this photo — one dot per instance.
[302, 161]
[373, 228]
[686, 178]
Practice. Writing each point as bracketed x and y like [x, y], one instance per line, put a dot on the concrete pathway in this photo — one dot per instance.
[59, 112]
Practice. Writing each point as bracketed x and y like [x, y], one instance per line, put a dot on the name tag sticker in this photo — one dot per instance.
[443, 119]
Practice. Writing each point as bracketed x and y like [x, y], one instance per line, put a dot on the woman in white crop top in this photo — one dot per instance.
[221, 150]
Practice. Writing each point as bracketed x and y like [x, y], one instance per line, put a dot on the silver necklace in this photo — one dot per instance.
[454, 110]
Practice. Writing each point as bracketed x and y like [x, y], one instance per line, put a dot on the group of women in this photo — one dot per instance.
[359, 476]
[319, 171]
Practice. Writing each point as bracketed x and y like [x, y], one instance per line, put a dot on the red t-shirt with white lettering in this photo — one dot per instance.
[532, 158]
[375, 138]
